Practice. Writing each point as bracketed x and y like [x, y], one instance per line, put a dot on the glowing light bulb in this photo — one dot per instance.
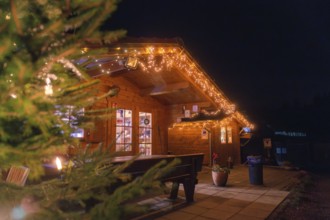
[58, 164]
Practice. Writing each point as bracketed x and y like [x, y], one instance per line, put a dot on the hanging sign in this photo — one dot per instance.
[187, 113]
[267, 143]
[205, 134]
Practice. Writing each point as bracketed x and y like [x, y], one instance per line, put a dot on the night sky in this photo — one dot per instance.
[262, 54]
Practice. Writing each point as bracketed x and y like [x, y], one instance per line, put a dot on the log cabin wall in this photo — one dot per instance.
[159, 77]
[188, 139]
[226, 150]
[165, 138]
[128, 98]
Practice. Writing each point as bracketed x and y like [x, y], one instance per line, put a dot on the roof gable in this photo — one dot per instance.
[163, 69]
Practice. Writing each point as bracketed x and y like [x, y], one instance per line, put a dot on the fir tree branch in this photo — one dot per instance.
[15, 16]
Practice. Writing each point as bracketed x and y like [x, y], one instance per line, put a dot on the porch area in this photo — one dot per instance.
[237, 200]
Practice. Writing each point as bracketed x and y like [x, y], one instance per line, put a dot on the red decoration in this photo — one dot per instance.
[215, 157]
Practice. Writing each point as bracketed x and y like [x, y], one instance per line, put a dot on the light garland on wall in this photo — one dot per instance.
[203, 124]
[206, 113]
[153, 59]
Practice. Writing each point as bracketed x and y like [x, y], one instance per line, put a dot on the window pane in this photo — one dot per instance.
[223, 135]
[145, 119]
[119, 135]
[120, 117]
[230, 135]
[123, 147]
[128, 118]
[145, 133]
[148, 135]
[124, 130]
[145, 149]
[70, 115]
[128, 134]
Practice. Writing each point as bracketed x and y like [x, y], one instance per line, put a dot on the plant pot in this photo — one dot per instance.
[219, 178]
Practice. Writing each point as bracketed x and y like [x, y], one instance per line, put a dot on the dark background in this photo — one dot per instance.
[270, 57]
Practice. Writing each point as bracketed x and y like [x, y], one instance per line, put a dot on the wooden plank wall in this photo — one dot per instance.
[226, 150]
[129, 98]
[188, 139]
[165, 138]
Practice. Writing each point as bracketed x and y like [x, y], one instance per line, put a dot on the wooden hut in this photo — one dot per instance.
[167, 104]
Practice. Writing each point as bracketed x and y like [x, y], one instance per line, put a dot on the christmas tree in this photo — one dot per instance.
[41, 84]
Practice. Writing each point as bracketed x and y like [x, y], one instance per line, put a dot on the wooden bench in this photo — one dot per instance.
[184, 173]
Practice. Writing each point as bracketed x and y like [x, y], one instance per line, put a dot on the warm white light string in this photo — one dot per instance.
[153, 59]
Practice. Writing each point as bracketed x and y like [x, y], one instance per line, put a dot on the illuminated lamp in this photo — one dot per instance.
[131, 62]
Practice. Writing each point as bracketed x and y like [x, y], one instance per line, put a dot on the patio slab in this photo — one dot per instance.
[239, 199]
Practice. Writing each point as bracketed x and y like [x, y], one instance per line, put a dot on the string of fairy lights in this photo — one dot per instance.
[154, 59]
[204, 124]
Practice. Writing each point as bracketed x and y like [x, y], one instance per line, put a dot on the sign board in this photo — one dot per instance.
[195, 108]
[187, 113]
[267, 143]
[205, 134]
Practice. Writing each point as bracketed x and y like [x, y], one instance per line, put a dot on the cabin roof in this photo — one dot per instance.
[163, 69]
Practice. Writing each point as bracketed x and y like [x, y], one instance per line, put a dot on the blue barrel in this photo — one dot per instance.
[255, 170]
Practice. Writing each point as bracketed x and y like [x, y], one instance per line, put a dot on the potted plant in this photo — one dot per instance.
[219, 173]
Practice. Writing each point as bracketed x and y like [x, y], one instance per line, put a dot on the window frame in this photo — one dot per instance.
[121, 145]
[146, 126]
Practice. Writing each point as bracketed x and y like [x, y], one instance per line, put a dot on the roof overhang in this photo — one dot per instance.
[163, 69]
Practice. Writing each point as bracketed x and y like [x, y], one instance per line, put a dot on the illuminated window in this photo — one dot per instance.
[123, 130]
[230, 135]
[145, 133]
[70, 115]
[223, 135]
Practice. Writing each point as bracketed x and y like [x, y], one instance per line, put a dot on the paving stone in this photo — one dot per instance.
[275, 200]
[194, 209]
[218, 214]
[207, 204]
[235, 189]
[255, 212]
[217, 199]
[208, 191]
[161, 218]
[224, 207]
[200, 218]
[274, 192]
[200, 196]
[256, 191]
[179, 215]
[238, 200]
[201, 185]
[263, 206]
[246, 197]
[237, 203]
[226, 194]
[244, 217]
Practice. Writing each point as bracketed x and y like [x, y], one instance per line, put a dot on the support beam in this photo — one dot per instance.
[164, 89]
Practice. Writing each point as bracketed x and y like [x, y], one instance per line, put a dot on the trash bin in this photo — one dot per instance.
[255, 170]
